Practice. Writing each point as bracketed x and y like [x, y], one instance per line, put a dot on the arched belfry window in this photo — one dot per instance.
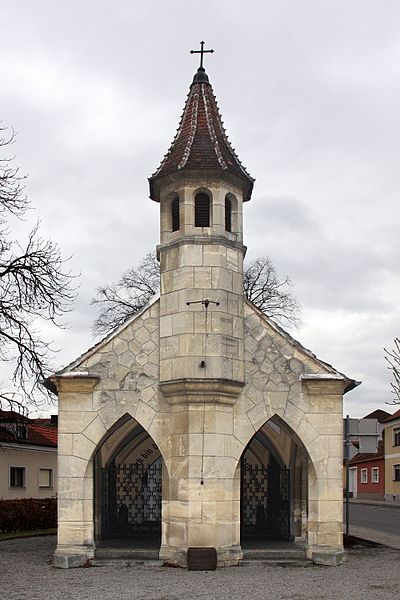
[175, 214]
[202, 210]
[228, 214]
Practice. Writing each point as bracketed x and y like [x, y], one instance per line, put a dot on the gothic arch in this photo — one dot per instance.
[280, 491]
[125, 460]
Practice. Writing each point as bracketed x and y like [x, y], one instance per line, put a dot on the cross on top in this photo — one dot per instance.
[201, 52]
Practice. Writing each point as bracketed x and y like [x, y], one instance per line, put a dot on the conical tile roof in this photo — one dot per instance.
[201, 143]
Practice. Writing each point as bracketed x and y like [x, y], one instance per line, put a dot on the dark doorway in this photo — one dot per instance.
[264, 501]
[132, 500]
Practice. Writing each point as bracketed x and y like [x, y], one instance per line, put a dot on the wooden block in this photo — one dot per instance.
[202, 559]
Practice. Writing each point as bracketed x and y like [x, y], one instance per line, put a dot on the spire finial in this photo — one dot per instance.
[201, 52]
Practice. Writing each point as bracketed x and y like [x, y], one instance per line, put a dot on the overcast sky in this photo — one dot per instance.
[309, 92]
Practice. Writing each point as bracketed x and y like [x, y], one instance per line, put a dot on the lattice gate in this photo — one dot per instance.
[131, 499]
[265, 501]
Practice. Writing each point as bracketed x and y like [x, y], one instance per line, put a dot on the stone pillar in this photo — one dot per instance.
[75, 543]
[325, 482]
[201, 492]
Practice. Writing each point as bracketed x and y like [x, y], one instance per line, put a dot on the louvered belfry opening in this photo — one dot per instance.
[175, 214]
[228, 215]
[202, 210]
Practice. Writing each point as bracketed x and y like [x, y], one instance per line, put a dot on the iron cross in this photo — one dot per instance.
[201, 52]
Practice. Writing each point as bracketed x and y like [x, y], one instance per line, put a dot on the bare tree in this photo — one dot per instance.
[34, 286]
[393, 358]
[269, 293]
[118, 301]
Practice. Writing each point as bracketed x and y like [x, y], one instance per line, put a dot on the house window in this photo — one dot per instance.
[45, 478]
[396, 472]
[202, 210]
[21, 431]
[175, 214]
[228, 215]
[364, 475]
[396, 436]
[375, 475]
[17, 477]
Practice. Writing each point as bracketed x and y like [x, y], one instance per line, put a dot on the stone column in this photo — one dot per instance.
[75, 543]
[325, 482]
[201, 492]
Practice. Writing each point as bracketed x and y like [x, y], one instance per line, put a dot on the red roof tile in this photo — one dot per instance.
[201, 142]
[37, 435]
[48, 434]
[12, 415]
[364, 456]
[379, 414]
[394, 416]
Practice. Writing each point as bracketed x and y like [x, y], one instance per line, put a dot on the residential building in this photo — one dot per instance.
[28, 456]
[392, 458]
[367, 474]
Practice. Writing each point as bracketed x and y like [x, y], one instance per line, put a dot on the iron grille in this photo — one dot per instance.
[132, 499]
[265, 501]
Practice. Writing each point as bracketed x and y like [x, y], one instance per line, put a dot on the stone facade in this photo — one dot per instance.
[283, 383]
[205, 376]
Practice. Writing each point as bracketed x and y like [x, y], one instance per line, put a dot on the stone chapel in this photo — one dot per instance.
[199, 422]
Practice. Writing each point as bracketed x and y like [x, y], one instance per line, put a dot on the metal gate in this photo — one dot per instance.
[131, 499]
[265, 501]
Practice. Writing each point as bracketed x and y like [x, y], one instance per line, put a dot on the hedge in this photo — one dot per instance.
[26, 514]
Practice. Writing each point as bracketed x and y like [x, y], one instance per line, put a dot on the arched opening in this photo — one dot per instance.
[128, 485]
[202, 210]
[273, 486]
[175, 216]
[228, 214]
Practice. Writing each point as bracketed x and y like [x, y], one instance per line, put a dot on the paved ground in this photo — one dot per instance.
[385, 519]
[376, 521]
[26, 574]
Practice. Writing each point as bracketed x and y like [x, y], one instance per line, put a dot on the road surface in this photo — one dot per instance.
[384, 519]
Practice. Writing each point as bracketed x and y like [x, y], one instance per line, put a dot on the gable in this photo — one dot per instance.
[275, 360]
[129, 358]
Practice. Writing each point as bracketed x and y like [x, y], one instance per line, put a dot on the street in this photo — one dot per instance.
[385, 519]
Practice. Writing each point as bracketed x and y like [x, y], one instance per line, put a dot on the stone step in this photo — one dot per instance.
[135, 556]
[126, 554]
[284, 562]
[122, 562]
[273, 554]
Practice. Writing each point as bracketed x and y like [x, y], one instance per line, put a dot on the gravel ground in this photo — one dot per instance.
[26, 573]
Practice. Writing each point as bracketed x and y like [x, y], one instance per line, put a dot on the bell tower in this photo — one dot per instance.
[201, 186]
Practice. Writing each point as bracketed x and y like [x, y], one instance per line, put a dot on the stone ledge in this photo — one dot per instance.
[202, 240]
[219, 391]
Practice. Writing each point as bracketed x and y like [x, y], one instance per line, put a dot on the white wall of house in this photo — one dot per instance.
[39, 478]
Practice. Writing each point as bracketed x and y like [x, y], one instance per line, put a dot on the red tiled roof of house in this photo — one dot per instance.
[49, 435]
[365, 456]
[12, 415]
[201, 142]
[6, 435]
[379, 414]
[36, 434]
[394, 416]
